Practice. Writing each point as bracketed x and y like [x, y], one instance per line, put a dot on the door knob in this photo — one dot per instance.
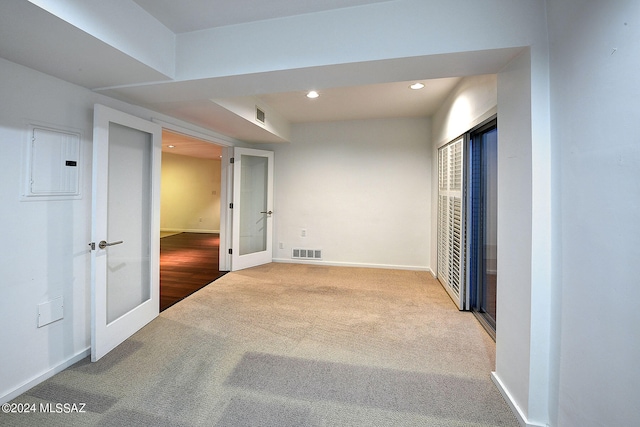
[104, 244]
[267, 212]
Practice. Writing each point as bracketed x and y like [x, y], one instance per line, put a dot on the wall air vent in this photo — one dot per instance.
[298, 253]
[260, 116]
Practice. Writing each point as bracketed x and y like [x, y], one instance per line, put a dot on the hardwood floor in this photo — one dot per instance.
[188, 262]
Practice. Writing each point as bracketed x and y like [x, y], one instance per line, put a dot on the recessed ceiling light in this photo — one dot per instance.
[416, 86]
[313, 94]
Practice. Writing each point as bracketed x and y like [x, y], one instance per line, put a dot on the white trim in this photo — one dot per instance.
[226, 214]
[204, 134]
[522, 419]
[45, 376]
[226, 180]
[189, 230]
[352, 264]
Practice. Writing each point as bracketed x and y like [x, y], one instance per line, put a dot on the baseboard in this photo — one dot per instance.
[189, 230]
[45, 376]
[522, 419]
[352, 264]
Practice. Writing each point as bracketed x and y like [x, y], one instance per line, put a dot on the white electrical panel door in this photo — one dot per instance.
[53, 158]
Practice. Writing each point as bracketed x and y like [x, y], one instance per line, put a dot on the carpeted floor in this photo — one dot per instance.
[290, 345]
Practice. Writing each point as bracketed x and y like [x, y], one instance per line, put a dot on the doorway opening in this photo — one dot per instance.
[467, 221]
[190, 216]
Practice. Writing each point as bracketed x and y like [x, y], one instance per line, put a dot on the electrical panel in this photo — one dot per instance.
[53, 164]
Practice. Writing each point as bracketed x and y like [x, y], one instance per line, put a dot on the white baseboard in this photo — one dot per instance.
[522, 419]
[351, 264]
[45, 376]
[189, 230]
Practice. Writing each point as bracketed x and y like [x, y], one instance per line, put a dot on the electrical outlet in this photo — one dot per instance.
[200, 219]
[303, 232]
[281, 245]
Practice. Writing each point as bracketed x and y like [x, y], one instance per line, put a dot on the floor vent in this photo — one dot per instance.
[306, 253]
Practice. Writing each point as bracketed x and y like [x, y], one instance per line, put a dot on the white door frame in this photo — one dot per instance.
[225, 185]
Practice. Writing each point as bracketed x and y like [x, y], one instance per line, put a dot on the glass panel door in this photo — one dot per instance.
[252, 235]
[484, 230]
[129, 196]
[253, 204]
[125, 250]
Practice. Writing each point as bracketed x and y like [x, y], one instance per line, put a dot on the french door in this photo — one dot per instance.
[125, 247]
[252, 235]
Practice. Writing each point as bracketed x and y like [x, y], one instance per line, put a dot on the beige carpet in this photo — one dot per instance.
[291, 345]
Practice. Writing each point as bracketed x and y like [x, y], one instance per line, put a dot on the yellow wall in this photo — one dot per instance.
[190, 194]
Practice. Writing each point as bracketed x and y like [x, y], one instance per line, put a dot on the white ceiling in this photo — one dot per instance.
[40, 40]
[185, 145]
[334, 104]
[363, 102]
[193, 15]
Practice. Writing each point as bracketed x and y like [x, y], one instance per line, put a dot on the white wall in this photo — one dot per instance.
[522, 371]
[514, 288]
[361, 189]
[473, 101]
[412, 28]
[378, 31]
[190, 199]
[45, 252]
[122, 24]
[595, 110]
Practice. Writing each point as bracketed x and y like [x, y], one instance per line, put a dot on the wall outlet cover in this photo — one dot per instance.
[50, 311]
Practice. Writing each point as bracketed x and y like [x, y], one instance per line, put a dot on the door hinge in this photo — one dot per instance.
[230, 251]
[230, 205]
[232, 160]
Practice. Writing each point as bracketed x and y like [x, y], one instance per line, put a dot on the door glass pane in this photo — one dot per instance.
[483, 222]
[253, 202]
[129, 219]
[490, 224]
